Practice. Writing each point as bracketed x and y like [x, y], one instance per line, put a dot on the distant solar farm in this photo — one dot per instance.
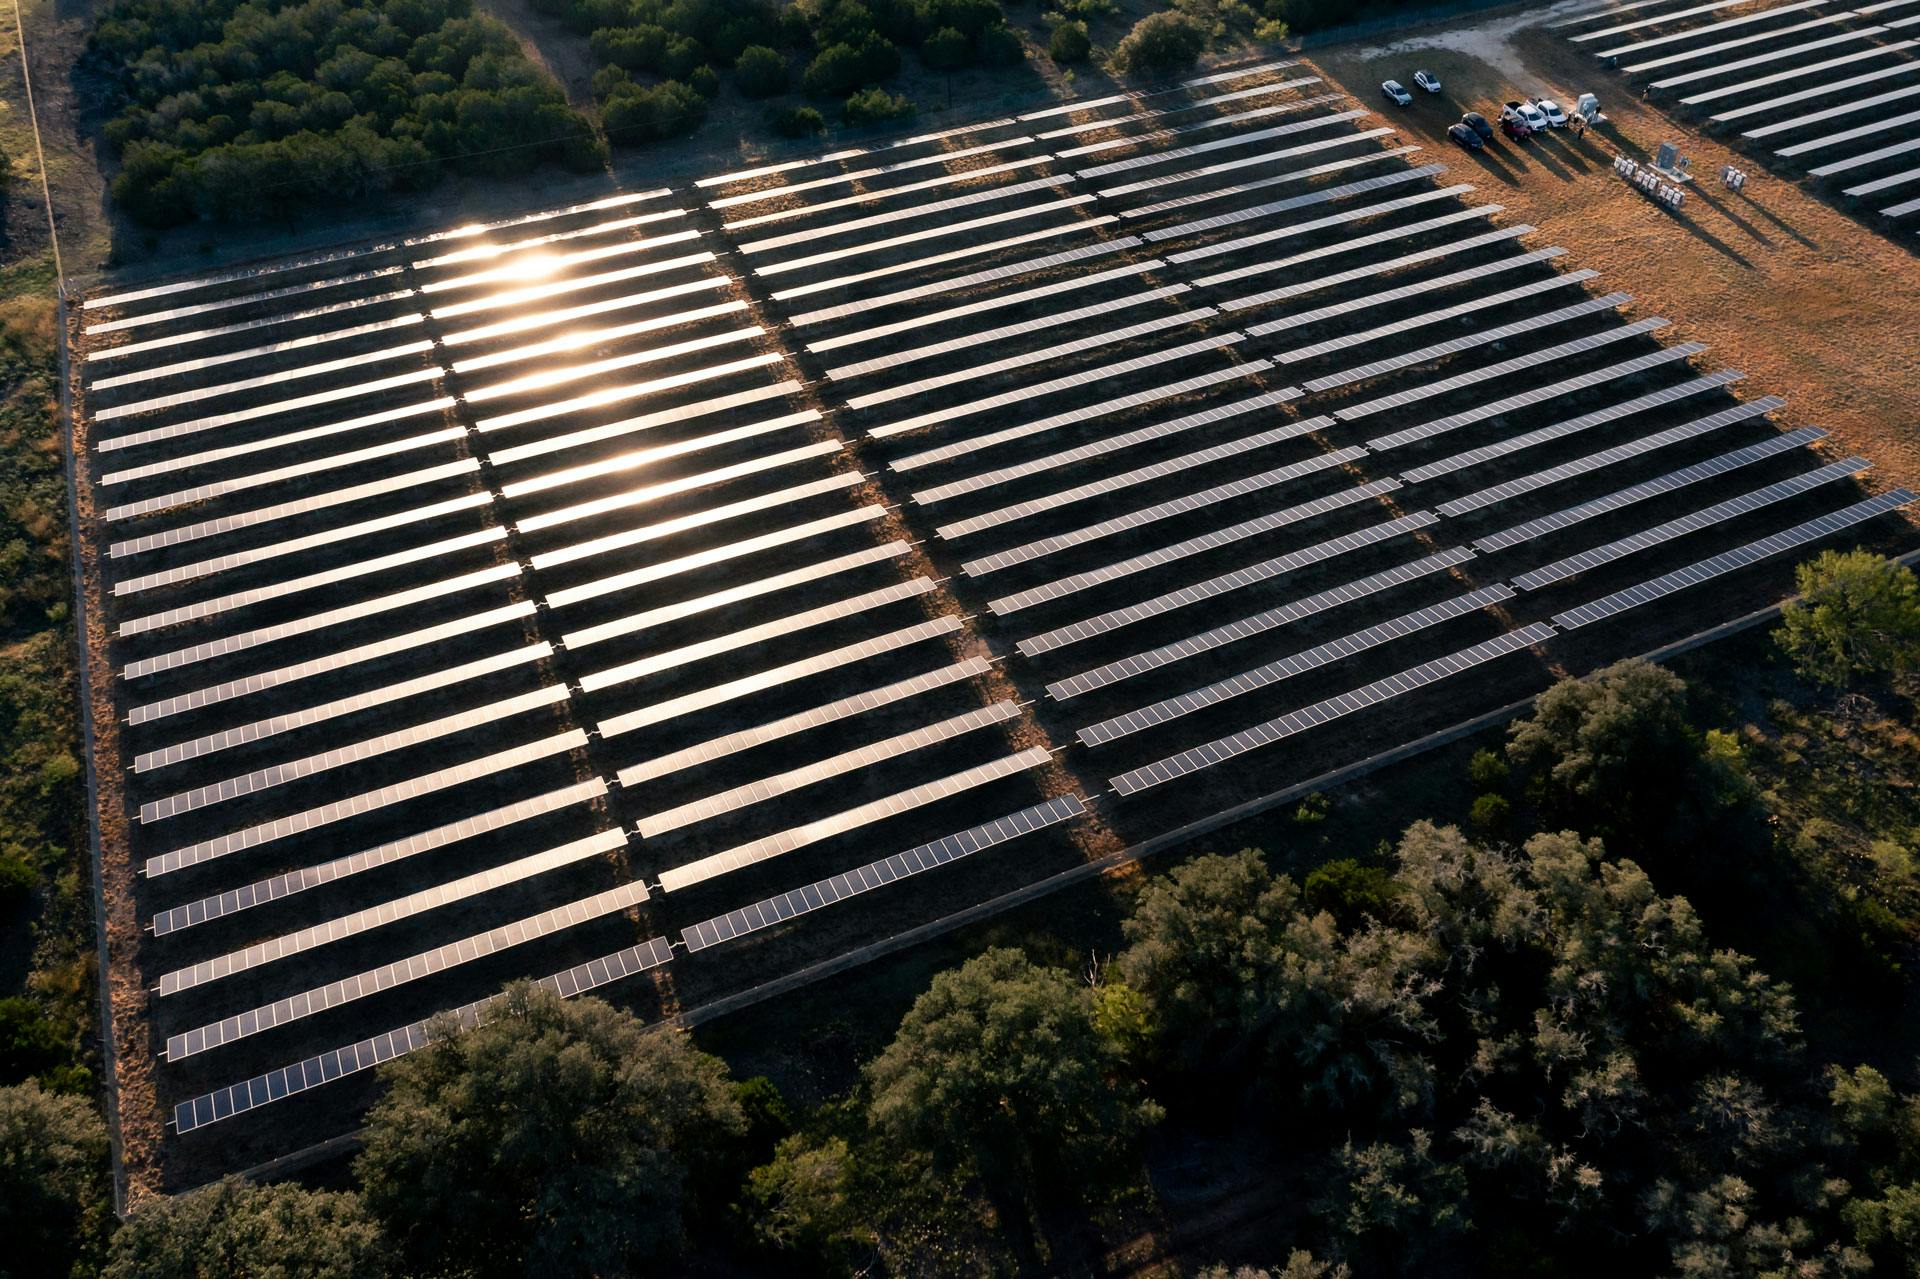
[1809, 87]
[657, 595]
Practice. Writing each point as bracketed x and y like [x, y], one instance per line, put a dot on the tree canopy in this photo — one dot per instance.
[54, 1203]
[1857, 618]
[559, 1138]
[234, 1227]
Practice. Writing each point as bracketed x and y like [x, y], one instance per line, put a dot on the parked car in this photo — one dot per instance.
[1464, 137]
[1478, 123]
[1550, 109]
[1534, 118]
[1427, 80]
[1396, 94]
[1514, 127]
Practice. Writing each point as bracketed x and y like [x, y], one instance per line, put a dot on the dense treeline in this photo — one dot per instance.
[249, 110]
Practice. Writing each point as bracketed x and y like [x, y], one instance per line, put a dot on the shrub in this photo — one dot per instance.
[666, 110]
[631, 48]
[17, 878]
[1161, 44]
[873, 106]
[796, 122]
[1490, 814]
[1069, 43]
[842, 68]
[946, 50]
[1000, 46]
[1858, 617]
[760, 72]
[705, 81]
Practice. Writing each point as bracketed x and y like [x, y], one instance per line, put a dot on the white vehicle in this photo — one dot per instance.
[1427, 81]
[1396, 94]
[1533, 117]
[1551, 110]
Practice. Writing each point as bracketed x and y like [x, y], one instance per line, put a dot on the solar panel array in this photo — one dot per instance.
[1827, 95]
[550, 588]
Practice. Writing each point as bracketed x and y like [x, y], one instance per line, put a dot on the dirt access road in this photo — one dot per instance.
[1810, 304]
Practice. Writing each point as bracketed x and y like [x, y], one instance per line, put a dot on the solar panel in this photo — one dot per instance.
[1161, 556]
[1692, 522]
[1726, 46]
[374, 981]
[1086, 377]
[1273, 730]
[467, 231]
[1454, 346]
[645, 533]
[1539, 395]
[646, 494]
[837, 888]
[1056, 321]
[287, 945]
[1871, 157]
[201, 363]
[889, 193]
[833, 712]
[1900, 210]
[284, 373]
[1093, 126]
[251, 837]
[1770, 58]
[1100, 448]
[1798, 73]
[861, 175]
[226, 644]
[1585, 422]
[995, 302]
[260, 892]
[561, 261]
[1259, 624]
[244, 299]
[746, 685]
[1667, 483]
[1222, 144]
[178, 341]
[199, 610]
[645, 422]
[1009, 271]
[181, 534]
[850, 819]
[413, 637]
[628, 391]
[1164, 469]
[1317, 224]
[514, 299]
[1264, 677]
[849, 153]
[278, 408]
[581, 339]
[556, 375]
[746, 637]
[488, 252]
[1184, 505]
[1882, 184]
[927, 233]
[1727, 24]
[1848, 135]
[263, 779]
[737, 798]
[294, 545]
[1073, 417]
[1819, 91]
[170, 287]
[1198, 126]
[1347, 244]
[979, 372]
[547, 317]
[1380, 268]
[1654, 22]
[1731, 561]
[940, 259]
[1533, 359]
[638, 459]
[1252, 574]
[1241, 188]
[715, 555]
[278, 443]
[1325, 195]
[302, 1076]
[1401, 293]
[261, 729]
[900, 213]
[646, 619]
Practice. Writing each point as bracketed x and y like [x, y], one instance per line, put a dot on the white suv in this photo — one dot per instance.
[1535, 118]
[1396, 94]
[1550, 109]
[1429, 82]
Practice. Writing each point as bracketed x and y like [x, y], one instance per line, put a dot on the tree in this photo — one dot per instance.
[1857, 618]
[234, 1227]
[556, 1139]
[1350, 892]
[1000, 1073]
[875, 106]
[803, 1201]
[54, 1207]
[760, 72]
[1069, 43]
[1161, 43]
